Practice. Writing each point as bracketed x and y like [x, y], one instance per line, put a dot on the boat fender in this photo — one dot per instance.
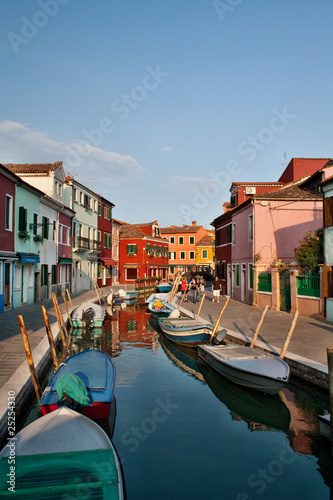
[174, 314]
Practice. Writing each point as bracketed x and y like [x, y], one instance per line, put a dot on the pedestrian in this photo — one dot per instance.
[217, 289]
[202, 286]
[184, 289]
[193, 288]
[197, 290]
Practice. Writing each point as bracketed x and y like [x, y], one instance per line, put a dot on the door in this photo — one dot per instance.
[7, 284]
[285, 290]
[243, 283]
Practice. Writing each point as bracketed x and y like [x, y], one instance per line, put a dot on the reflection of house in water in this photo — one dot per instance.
[131, 325]
[304, 425]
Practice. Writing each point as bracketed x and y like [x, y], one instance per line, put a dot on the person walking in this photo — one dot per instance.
[184, 289]
[193, 288]
[197, 290]
[217, 289]
[202, 286]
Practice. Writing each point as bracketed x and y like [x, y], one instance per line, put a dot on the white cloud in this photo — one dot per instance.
[178, 182]
[21, 144]
[166, 149]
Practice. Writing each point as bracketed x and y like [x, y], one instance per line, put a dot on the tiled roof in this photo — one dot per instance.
[145, 224]
[129, 231]
[257, 184]
[32, 168]
[206, 241]
[290, 191]
[177, 229]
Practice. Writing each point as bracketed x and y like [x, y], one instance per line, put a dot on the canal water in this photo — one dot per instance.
[184, 432]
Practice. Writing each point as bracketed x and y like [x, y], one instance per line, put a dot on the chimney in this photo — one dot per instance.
[194, 222]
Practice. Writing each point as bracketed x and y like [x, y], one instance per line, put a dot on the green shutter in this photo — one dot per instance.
[22, 219]
[251, 275]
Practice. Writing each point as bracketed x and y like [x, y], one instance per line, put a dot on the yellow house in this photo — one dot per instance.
[205, 251]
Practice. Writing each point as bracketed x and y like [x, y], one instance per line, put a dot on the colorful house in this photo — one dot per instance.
[183, 246]
[262, 225]
[205, 252]
[105, 260]
[85, 243]
[327, 186]
[51, 227]
[143, 252]
[8, 182]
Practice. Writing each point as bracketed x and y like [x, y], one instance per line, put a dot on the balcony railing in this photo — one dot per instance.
[81, 244]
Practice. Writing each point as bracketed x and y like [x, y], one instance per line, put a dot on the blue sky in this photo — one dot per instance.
[160, 105]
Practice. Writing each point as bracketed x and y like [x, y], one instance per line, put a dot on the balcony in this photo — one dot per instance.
[81, 244]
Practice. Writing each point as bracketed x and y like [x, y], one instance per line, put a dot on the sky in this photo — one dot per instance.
[159, 105]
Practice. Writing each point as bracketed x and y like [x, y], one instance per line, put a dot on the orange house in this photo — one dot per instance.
[183, 246]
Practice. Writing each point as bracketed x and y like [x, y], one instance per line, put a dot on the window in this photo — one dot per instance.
[172, 239]
[75, 194]
[223, 270]
[180, 240]
[95, 206]
[172, 255]
[54, 275]
[205, 254]
[234, 234]
[250, 223]
[328, 211]
[80, 197]
[182, 255]
[237, 274]
[166, 252]
[87, 201]
[56, 187]
[191, 240]
[155, 250]
[100, 210]
[105, 213]
[45, 228]
[148, 249]
[160, 250]
[250, 276]
[132, 249]
[9, 213]
[34, 228]
[192, 255]
[157, 231]
[22, 219]
[44, 271]
[99, 236]
[60, 189]
[109, 214]
[229, 233]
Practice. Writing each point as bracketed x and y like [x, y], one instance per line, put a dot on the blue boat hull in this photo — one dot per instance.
[97, 370]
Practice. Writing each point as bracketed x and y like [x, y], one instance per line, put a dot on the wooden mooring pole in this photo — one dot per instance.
[50, 337]
[33, 373]
[330, 381]
[216, 326]
[200, 306]
[288, 339]
[58, 314]
[69, 299]
[256, 333]
[67, 310]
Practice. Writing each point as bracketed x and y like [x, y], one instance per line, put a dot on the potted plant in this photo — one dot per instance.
[38, 237]
[24, 235]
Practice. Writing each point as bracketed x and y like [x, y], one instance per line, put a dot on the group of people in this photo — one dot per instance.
[197, 287]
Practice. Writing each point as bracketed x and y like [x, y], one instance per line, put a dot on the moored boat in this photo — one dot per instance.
[61, 455]
[164, 287]
[186, 331]
[96, 370]
[88, 315]
[160, 308]
[247, 367]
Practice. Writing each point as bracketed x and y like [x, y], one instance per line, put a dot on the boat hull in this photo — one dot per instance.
[247, 367]
[61, 455]
[77, 313]
[97, 370]
[187, 333]
[162, 312]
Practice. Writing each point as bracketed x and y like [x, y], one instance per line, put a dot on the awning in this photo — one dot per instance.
[109, 262]
[29, 258]
[63, 260]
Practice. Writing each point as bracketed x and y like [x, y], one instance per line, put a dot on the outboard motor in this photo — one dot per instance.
[88, 317]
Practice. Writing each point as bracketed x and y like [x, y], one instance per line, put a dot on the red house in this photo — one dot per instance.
[105, 260]
[143, 252]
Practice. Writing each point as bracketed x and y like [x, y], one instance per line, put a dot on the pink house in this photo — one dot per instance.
[267, 220]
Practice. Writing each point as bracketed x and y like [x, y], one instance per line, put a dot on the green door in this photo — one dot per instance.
[285, 290]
